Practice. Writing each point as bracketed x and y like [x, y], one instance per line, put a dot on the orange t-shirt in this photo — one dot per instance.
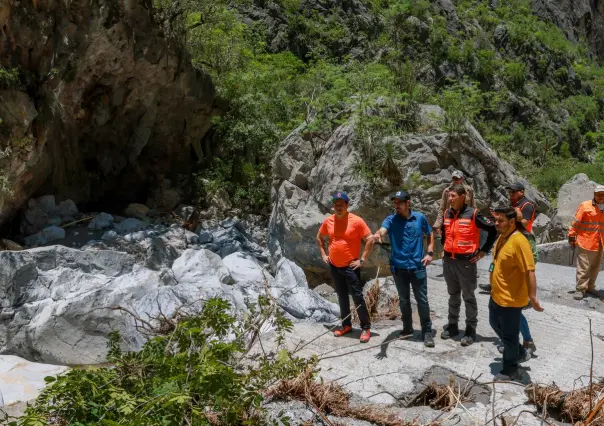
[345, 237]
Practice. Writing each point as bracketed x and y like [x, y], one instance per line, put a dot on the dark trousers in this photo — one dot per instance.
[417, 280]
[506, 323]
[348, 281]
[461, 276]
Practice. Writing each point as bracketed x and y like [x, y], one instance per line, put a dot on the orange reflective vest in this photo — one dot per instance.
[588, 226]
[529, 227]
[462, 236]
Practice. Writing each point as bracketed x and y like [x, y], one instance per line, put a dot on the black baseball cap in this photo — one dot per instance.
[516, 186]
[401, 195]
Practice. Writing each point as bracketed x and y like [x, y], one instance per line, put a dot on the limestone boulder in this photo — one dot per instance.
[302, 188]
[578, 189]
[58, 304]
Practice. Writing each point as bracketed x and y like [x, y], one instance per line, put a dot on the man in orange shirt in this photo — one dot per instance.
[345, 231]
[587, 232]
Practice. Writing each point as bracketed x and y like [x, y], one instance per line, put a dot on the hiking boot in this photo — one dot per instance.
[449, 331]
[510, 377]
[469, 336]
[579, 295]
[500, 349]
[529, 345]
[485, 287]
[593, 292]
[365, 335]
[428, 340]
[406, 333]
[342, 331]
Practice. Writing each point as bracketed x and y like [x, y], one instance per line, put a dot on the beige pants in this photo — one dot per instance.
[588, 267]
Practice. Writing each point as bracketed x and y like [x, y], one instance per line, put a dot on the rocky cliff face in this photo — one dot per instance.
[107, 108]
[583, 19]
[303, 187]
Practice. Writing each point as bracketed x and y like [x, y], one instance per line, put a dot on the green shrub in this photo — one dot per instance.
[9, 78]
[461, 104]
[198, 369]
[514, 74]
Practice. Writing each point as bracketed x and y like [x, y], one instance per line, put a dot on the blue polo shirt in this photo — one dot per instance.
[406, 239]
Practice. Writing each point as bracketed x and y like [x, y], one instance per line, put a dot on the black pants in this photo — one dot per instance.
[506, 323]
[348, 281]
[417, 280]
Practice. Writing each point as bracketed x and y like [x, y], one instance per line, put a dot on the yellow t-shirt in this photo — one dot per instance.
[509, 278]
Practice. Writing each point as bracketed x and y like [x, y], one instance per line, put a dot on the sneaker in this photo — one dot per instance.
[579, 295]
[406, 333]
[469, 336]
[500, 349]
[485, 287]
[525, 357]
[342, 331]
[449, 331]
[529, 345]
[365, 335]
[428, 340]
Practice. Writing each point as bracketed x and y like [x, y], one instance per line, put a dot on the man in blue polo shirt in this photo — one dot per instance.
[406, 230]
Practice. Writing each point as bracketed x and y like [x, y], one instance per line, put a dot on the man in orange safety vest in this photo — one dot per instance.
[587, 234]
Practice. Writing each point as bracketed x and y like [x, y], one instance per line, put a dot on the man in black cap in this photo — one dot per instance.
[525, 210]
[406, 230]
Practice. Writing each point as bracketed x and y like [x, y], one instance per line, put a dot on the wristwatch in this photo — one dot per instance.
[430, 253]
[362, 261]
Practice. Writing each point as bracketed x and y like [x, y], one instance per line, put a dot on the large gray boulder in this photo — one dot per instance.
[305, 178]
[578, 189]
[58, 304]
[291, 291]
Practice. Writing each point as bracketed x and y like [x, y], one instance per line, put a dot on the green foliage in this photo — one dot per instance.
[514, 74]
[461, 104]
[198, 370]
[556, 171]
[270, 93]
[9, 78]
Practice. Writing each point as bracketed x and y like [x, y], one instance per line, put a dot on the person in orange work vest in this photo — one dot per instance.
[587, 233]
[461, 242]
[525, 210]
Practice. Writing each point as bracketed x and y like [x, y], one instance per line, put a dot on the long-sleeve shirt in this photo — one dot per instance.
[444, 203]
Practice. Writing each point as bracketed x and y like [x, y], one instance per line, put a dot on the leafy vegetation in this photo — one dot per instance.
[530, 92]
[9, 77]
[197, 370]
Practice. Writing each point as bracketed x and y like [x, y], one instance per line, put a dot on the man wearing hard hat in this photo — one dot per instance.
[587, 234]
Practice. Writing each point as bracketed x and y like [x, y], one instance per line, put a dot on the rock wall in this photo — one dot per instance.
[302, 186]
[107, 108]
[579, 19]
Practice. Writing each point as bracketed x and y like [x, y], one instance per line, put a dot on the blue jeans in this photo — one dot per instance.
[418, 280]
[524, 328]
[506, 323]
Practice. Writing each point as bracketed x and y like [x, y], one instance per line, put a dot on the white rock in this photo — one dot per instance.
[21, 380]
